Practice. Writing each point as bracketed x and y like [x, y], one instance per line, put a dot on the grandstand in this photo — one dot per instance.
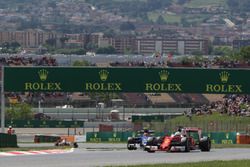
[135, 99]
[160, 99]
[214, 97]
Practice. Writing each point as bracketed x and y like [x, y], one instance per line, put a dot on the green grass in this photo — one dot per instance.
[234, 163]
[230, 146]
[202, 3]
[196, 17]
[209, 123]
[153, 16]
[214, 117]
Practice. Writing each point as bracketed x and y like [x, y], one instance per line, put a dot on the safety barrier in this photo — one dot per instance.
[108, 136]
[243, 138]
[45, 139]
[147, 118]
[7, 140]
[222, 137]
[43, 124]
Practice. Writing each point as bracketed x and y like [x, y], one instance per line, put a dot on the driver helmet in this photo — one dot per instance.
[177, 133]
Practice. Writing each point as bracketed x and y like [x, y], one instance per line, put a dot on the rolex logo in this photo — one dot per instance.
[224, 76]
[227, 135]
[103, 75]
[164, 75]
[43, 74]
[114, 135]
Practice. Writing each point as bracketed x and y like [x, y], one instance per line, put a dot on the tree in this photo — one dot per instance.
[106, 50]
[127, 26]
[160, 20]
[52, 4]
[20, 111]
[197, 53]
[91, 46]
[15, 45]
[51, 42]
[184, 22]
[181, 2]
[233, 4]
[222, 50]
[109, 33]
[245, 53]
[63, 40]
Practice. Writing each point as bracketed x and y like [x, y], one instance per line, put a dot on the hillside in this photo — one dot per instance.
[178, 12]
[214, 122]
[72, 16]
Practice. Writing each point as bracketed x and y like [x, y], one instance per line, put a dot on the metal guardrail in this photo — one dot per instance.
[93, 114]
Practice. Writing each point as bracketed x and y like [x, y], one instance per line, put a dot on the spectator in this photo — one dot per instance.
[10, 131]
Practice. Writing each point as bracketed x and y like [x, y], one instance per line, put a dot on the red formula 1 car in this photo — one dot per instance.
[186, 139]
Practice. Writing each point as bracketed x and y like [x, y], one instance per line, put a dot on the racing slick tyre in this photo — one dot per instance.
[205, 145]
[187, 147]
[75, 145]
[131, 144]
[150, 151]
[131, 147]
[152, 141]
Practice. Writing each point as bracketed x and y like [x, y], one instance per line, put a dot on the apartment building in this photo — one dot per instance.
[237, 44]
[149, 45]
[27, 39]
[73, 40]
[123, 44]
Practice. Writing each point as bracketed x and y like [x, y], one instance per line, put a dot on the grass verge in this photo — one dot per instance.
[234, 163]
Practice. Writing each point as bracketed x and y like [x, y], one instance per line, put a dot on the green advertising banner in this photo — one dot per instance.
[216, 137]
[222, 137]
[43, 124]
[108, 136]
[179, 80]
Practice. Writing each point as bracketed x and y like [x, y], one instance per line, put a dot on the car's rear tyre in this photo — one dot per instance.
[151, 151]
[75, 145]
[131, 147]
[187, 147]
[205, 145]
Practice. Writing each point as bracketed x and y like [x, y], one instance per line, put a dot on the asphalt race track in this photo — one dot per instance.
[108, 154]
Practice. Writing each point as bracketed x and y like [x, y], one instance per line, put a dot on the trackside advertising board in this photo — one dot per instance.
[171, 80]
[216, 137]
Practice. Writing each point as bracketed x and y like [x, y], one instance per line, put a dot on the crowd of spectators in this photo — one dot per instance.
[214, 63]
[138, 64]
[28, 61]
[232, 105]
[236, 105]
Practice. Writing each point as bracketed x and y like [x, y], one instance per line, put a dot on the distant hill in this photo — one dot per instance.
[204, 3]
[76, 15]
[177, 12]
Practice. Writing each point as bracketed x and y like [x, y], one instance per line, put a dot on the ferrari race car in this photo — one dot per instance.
[140, 141]
[186, 139]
